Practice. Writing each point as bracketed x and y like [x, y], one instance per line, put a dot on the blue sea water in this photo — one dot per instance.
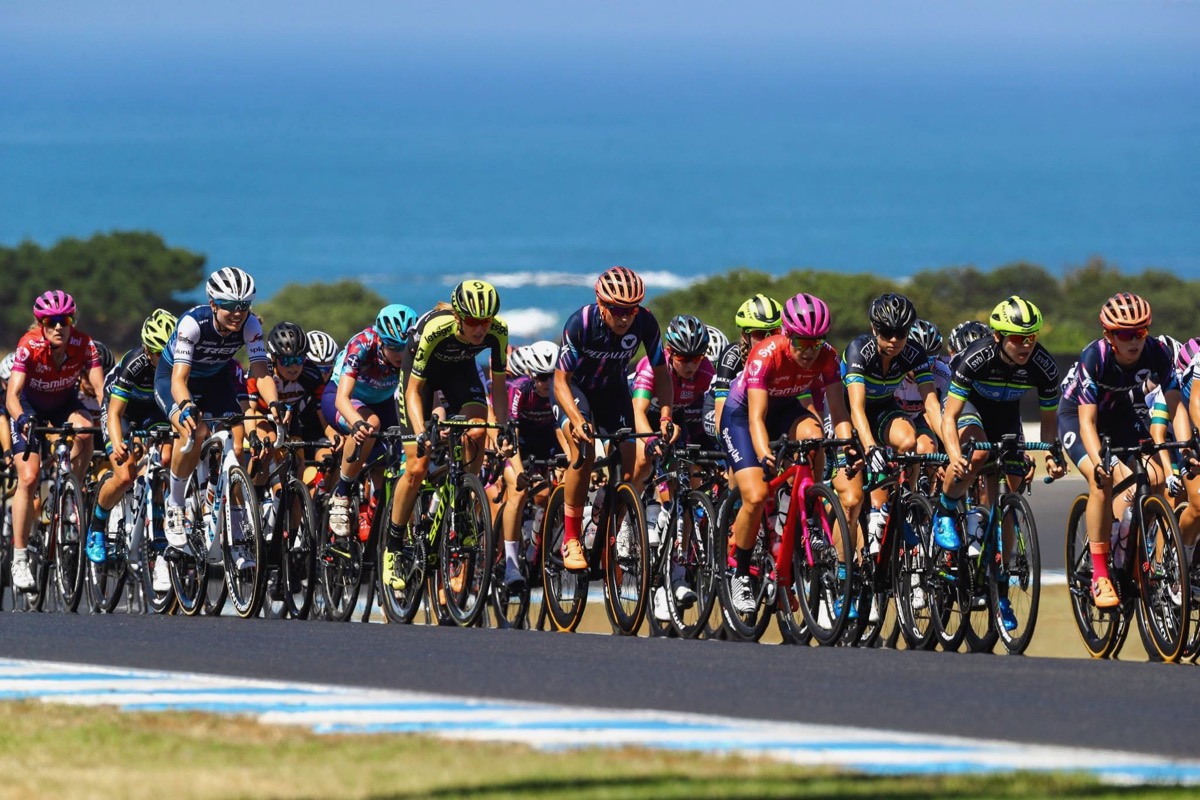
[413, 173]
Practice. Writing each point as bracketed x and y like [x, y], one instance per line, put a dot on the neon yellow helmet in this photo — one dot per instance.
[157, 329]
[475, 299]
[759, 313]
[1016, 315]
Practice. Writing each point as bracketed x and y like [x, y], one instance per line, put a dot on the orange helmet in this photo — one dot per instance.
[620, 286]
[1125, 311]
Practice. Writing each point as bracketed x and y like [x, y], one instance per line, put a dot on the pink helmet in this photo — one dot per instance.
[1187, 351]
[805, 315]
[53, 303]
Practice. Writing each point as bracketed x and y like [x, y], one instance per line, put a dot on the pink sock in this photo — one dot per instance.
[1099, 552]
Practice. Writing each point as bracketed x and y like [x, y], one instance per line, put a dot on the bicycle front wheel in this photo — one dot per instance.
[298, 551]
[825, 585]
[564, 593]
[467, 548]
[242, 545]
[190, 571]
[910, 574]
[751, 626]
[1099, 628]
[1017, 574]
[1165, 590]
[341, 563]
[692, 566]
[400, 605]
[68, 526]
[627, 562]
[106, 580]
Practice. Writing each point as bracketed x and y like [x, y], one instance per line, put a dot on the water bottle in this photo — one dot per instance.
[660, 525]
[434, 503]
[976, 522]
[1120, 538]
[268, 516]
[783, 501]
[876, 523]
[590, 514]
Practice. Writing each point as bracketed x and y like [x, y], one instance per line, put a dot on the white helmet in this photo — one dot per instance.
[322, 348]
[6, 366]
[541, 357]
[515, 366]
[717, 342]
[231, 283]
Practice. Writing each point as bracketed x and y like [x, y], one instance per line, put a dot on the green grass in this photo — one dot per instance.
[49, 750]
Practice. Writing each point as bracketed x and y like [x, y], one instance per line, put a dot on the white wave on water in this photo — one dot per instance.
[514, 280]
[532, 323]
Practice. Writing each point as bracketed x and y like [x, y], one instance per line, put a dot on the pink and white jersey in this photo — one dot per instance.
[688, 393]
[770, 367]
[49, 383]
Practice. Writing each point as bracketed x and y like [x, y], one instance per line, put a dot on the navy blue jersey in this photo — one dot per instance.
[197, 342]
[1097, 379]
[596, 356]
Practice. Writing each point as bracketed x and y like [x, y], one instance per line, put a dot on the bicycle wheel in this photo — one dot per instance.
[626, 569]
[824, 588]
[190, 571]
[564, 593]
[950, 594]
[742, 627]
[298, 551]
[242, 548]
[68, 525]
[401, 605]
[509, 609]
[106, 580]
[1098, 628]
[691, 563]
[910, 574]
[1165, 591]
[341, 566]
[1020, 579]
[467, 548]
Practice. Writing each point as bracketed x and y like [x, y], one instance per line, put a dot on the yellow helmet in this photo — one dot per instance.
[157, 329]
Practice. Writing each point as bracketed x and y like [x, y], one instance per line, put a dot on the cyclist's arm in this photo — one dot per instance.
[180, 372]
[564, 398]
[933, 406]
[1089, 436]
[413, 404]
[856, 393]
[345, 391]
[641, 409]
[264, 383]
[950, 414]
[665, 389]
[500, 396]
[1172, 397]
[16, 403]
[116, 413]
[836, 403]
[756, 408]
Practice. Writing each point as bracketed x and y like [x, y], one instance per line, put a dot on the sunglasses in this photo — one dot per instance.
[477, 322]
[59, 321]
[1021, 340]
[543, 376]
[892, 333]
[696, 359]
[805, 344]
[290, 361]
[621, 311]
[233, 306]
[1135, 335]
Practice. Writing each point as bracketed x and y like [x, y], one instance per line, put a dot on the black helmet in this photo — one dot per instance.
[287, 339]
[106, 356]
[966, 332]
[927, 335]
[892, 311]
[687, 336]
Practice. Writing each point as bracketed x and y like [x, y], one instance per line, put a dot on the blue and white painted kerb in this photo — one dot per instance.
[330, 709]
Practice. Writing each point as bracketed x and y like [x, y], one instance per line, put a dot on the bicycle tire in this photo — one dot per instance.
[67, 526]
[341, 566]
[245, 584]
[1191, 648]
[564, 593]
[819, 584]
[189, 572]
[697, 563]
[979, 634]
[466, 551]
[626, 577]
[298, 551]
[509, 609]
[1099, 629]
[1164, 590]
[950, 594]
[742, 627]
[106, 580]
[1021, 580]
[909, 574]
[401, 605]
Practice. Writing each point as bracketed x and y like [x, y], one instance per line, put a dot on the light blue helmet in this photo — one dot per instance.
[394, 323]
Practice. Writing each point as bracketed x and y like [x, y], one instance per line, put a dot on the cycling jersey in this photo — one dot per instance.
[771, 367]
[435, 344]
[596, 356]
[729, 365]
[197, 342]
[864, 365]
[362, 359]
[984, 378]
[530, 410]
[908, 395]
[689, 393]
[132, 380]
[1097, 379]
[300, 394]
[50, 383]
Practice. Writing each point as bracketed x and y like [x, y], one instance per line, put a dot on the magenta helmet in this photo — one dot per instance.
[1187, 351]
[806, 315]
[53, 303]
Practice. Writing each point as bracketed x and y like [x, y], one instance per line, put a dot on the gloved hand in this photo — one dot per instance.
[1174, 485]
[877, 460]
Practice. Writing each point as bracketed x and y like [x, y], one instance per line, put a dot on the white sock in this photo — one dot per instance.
[178, 490]
[19, 554]
[510, 553]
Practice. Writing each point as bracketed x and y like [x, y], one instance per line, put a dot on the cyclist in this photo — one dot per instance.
[962, 334]
[757, 318]
[6, 365]
[198, 370]
[129, 394]
[590, 388]
[983, 404]
[441, 358]
[529, 406]
[686, 345]
[360, 400]
[93, 404]
[876, 364]
[1105, 394]
[50, 360]
[322, 350]
[926, 336]
[768, 400]
[717, 342]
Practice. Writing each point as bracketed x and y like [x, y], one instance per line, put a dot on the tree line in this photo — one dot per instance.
[1070, 303]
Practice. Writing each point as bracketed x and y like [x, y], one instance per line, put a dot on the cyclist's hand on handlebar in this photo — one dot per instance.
[24, 422]
[877, 460]
[120, 451]
[422, 444]
[505, 440]
[959, 467]
[186, 417]
[362, 431]
[767, 462]
[1174, 485]
[667, 430]
[1054, 467]
[281, 411]
[581, 432]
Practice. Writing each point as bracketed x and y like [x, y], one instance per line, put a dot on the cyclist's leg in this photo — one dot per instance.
[84, 444]
[575, 480]
[23, 507]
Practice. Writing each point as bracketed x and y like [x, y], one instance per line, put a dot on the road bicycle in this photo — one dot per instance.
[999, 557]
[448, 553]
[224, 531]
[810, 560]
[55, 545]
[614, 542]
[1148, 567]
[133, 535]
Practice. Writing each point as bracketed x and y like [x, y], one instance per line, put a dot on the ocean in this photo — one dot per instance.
[413, 174]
